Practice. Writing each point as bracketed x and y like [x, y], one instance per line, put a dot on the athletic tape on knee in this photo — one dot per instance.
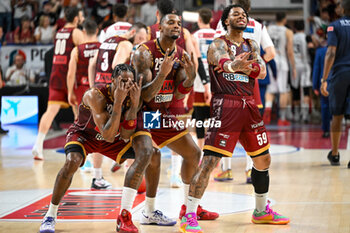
[260, 180]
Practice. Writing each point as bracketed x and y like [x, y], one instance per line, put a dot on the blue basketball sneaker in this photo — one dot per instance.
[48, 225]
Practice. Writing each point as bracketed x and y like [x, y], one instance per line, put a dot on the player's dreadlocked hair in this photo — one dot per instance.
[118, 69]
[226, 12]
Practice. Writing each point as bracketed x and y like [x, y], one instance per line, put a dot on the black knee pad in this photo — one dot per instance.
[212, 153]
[260, 180]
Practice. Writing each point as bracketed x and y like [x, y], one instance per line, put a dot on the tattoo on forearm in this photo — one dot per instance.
[256, 53]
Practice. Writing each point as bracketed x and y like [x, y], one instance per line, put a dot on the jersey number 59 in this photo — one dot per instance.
[262, 138]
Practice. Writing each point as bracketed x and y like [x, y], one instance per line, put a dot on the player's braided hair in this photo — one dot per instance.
[118, 69]
[226, 12]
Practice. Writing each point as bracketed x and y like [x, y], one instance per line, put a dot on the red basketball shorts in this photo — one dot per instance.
[240, 120]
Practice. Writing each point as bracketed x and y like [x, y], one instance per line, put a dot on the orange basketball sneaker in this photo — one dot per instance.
[125, 224]
[269, 217]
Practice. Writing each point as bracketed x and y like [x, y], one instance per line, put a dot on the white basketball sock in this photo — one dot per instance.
[260, 201]
[186, 191]
[226, 163]
[176, 162]
[149, 205]
[52, 211]
[98, 173]
[192, 204]
[128, 198]
[39, 143]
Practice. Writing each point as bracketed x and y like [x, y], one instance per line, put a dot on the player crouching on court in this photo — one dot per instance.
[106, 124]
[234, 64]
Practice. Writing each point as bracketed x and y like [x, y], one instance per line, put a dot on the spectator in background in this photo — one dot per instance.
[5, 17]
[148, 15]
[2, 84]
[316, 80]
[24, 32]
[44, 33]
[319, 24]
[18, 74]
[102, 12]
[48, 11]
[21, 8]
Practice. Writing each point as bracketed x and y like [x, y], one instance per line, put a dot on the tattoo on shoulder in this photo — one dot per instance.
[216, 50]
[142, 61]
[255, 46]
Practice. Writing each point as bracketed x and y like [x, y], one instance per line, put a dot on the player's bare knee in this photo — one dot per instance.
[73, 161]
[193, 156]
[262, 162]
[155, 161]
[144, 155]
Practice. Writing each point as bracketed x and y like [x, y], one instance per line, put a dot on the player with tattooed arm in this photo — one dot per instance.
[234, 64]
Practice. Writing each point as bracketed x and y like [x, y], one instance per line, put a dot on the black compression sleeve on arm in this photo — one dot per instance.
[202, 73]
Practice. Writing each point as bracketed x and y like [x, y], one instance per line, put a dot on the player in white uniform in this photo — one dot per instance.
[302, 81]
[282, 38]
[120, 26]
[257, 32]
[202, 95]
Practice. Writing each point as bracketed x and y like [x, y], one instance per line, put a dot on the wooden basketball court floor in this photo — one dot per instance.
[303, 186]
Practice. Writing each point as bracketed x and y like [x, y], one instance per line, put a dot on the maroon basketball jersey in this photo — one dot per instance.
[86, 51]
[85, 122]
[153, 32]
[105, 59]
[63, 48]
[232, 83]
[165, 96]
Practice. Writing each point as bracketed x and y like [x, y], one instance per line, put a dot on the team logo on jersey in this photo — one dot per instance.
[151, 120]
[163, 98]
[245, 47]
[236, 77]
[233, 50]
[222, 143]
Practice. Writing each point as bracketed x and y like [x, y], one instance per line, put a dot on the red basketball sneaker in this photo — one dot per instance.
[125, 224]
[202, 214]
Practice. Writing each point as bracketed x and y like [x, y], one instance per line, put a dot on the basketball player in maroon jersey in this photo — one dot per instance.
[108, 125]
[234, 64]
[78, 83]
[115, 50]
[66, 39]
[178, 106]
[169, 74]
[77, 77]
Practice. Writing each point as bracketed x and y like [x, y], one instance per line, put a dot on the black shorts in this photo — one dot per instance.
[339, 94]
